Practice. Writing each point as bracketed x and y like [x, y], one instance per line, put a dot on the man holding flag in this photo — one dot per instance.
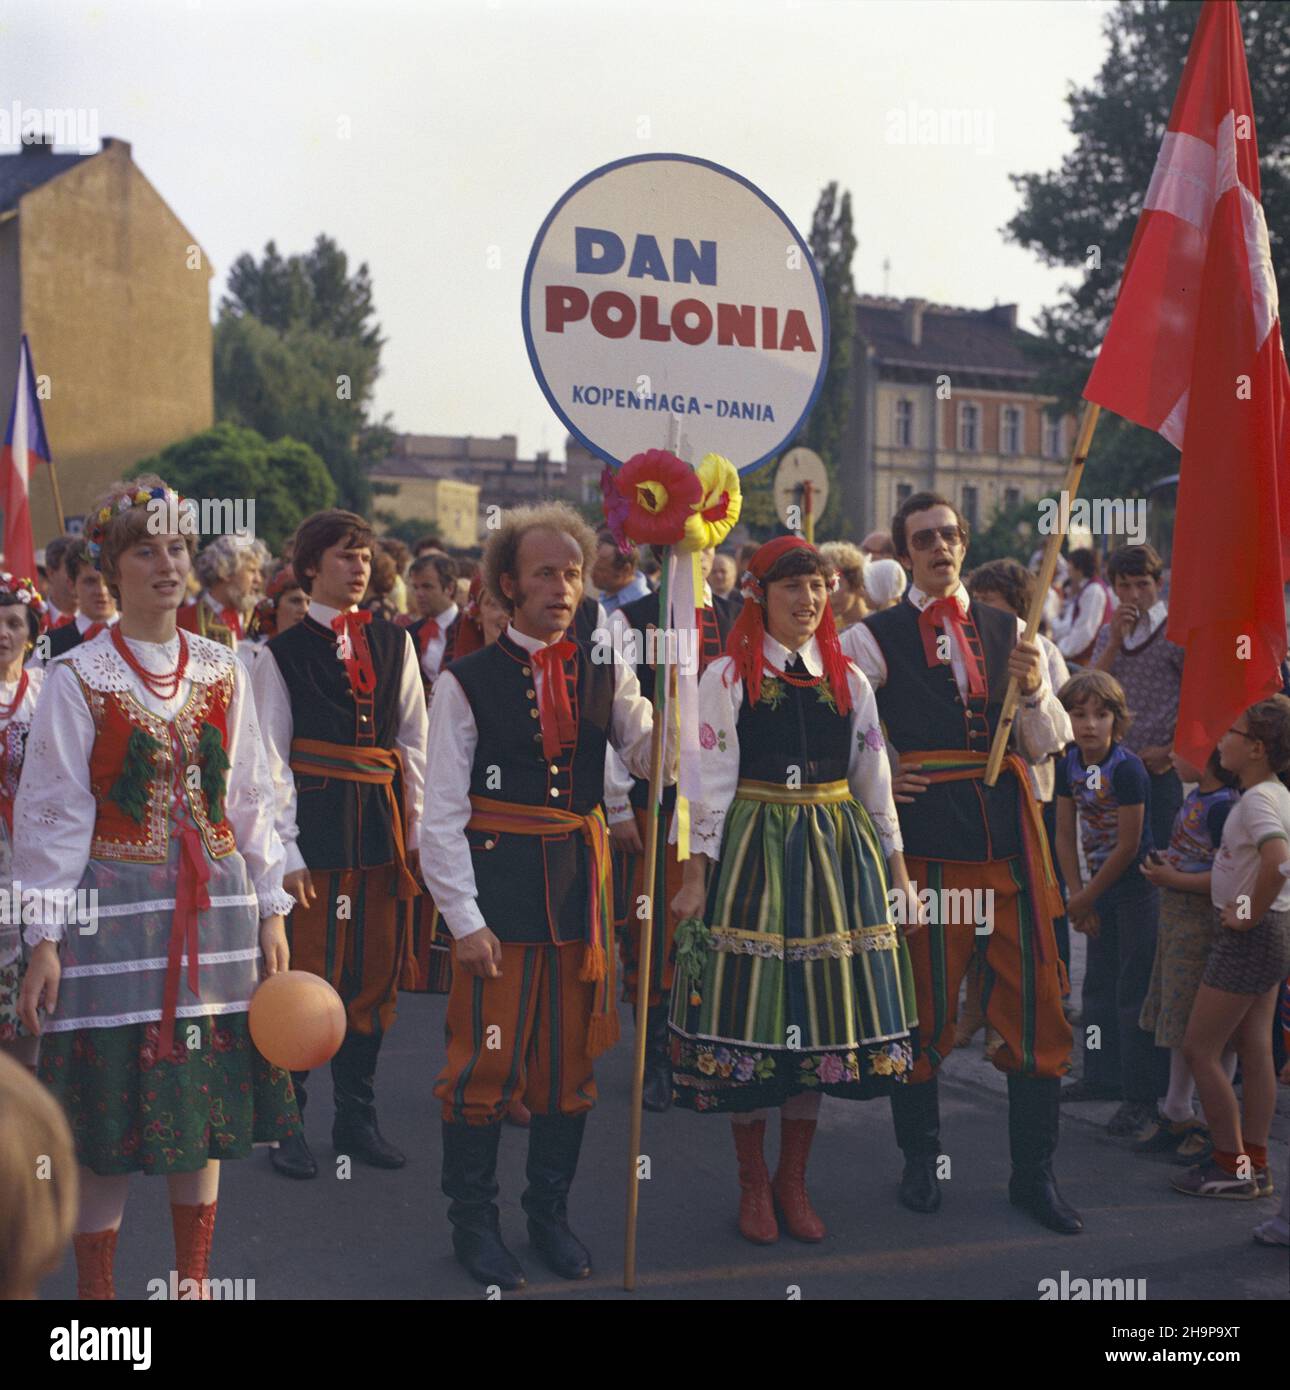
[1194, 351]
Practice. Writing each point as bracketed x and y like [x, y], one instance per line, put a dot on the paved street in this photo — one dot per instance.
[385, 1236]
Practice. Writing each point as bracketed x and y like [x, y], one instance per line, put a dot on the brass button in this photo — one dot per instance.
[532, 694]
[488, 844]
[555, 768]
[537, 738]
[533, 714]
[555, 791]
[528, 670]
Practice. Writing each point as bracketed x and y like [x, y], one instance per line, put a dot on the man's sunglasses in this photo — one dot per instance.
[924, 540]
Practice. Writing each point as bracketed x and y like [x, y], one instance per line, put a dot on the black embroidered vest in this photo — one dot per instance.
[921, 709]
[342, 825]
[533, 889]
[792, 736]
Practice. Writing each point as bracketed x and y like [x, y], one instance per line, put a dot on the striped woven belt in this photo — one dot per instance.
[813, 793]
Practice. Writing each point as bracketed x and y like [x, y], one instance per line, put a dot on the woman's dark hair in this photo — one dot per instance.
[320, 532]
[33, 622]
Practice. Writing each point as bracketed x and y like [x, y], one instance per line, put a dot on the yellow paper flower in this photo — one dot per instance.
[717, 510]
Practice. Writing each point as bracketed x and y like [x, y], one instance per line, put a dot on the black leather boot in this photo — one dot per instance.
[354, 1130]
[916, 1113]
[554, 1145]
[657, 1094]
[470, 1180]
[1034, 1107]
[292, 1157]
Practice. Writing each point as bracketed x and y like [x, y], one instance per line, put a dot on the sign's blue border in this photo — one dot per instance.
[752, 188]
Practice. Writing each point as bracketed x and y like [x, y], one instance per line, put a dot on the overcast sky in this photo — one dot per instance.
[430, 139]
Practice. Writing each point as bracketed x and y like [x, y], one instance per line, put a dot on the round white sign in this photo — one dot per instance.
[665, 285]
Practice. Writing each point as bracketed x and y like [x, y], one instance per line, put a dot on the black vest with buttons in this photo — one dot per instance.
[533, 889]
[921, 708]
[791, 736]
[342, 825]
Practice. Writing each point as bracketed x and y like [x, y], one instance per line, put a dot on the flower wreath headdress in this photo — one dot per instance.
[24, 591]
[96, 524]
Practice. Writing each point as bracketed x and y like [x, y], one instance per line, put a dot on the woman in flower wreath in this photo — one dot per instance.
[798, 985]
[22, 614]
[146, 787]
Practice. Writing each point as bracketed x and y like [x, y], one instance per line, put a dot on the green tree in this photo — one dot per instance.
[833, 247]
[297, 353]
[286, 479]
[1084, 214]
[1010, 535]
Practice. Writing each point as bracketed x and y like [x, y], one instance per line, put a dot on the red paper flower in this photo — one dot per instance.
[661, 491]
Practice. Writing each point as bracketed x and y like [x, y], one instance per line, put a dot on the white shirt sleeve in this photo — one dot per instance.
[1080, 633]
[869, 772]
[618, 788]
[632, 723]
[860, 646]
[446, 863]
[55, 810]
[249, 800]
[411, 741]
[273, 710]
[1041, 726]
[719, 757]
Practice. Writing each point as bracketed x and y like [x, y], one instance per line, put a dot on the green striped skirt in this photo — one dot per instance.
[800, 982]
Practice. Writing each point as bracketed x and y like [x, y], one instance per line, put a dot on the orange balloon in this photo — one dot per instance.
[297, 1020]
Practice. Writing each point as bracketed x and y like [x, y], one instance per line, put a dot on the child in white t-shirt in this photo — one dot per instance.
[1249, 959]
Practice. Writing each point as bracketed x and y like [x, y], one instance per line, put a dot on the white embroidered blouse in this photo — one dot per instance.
[55, 810]
[868, 772]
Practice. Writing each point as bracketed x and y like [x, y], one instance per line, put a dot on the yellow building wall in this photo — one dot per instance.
[115, 299]
[453, 506]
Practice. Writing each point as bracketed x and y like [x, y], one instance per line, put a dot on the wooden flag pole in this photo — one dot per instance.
[663, 696]
[58, 499]
[645, 956]
[1083, 439]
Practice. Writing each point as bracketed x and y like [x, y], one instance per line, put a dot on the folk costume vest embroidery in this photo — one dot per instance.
[793, 735]
[342, 824]
[138, 762]
[534, 889]
[921, 709]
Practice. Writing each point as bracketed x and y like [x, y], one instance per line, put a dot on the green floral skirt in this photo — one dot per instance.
[802, 982]
[133, 1111]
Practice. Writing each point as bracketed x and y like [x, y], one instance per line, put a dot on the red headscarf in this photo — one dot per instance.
[744, 646]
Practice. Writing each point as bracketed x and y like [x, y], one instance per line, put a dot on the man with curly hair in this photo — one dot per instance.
[515, 851]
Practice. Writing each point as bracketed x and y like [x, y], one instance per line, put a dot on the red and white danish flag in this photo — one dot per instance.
[1194, 351]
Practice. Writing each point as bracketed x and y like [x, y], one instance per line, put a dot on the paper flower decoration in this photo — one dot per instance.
[718, 507]
[616, 508]
[96, 525]
[661, 491]
[24, 591]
